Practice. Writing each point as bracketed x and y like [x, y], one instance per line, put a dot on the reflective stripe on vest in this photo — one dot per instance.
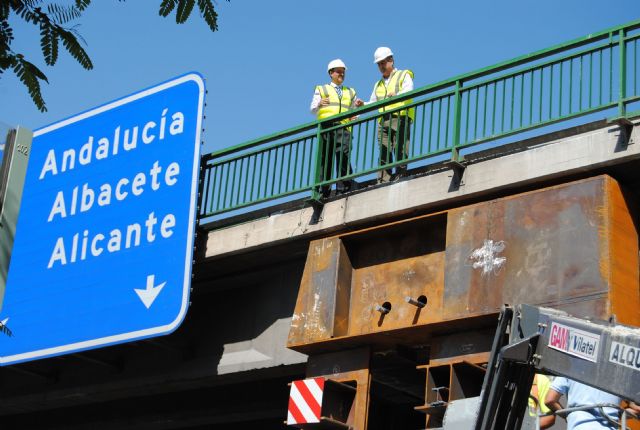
[395, 85]
[336, 104]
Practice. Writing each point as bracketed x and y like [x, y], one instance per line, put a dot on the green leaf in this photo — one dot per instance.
[4, 10]
[63, 14]
[6, 37]
[36, 72]
[49, 43]
[209, 14]
[82, 4]
[72, 45]
[167, 6]
[30, 3]
[29, 74]
[184, 10]
[5, 63]
[77, 34]
[27, 13]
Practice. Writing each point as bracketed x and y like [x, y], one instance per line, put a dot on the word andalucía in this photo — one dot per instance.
[105, 148]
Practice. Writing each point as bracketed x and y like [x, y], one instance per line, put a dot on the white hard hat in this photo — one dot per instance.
[336, 63]
[381, 53]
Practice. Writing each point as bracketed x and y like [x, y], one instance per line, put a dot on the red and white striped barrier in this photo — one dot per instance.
[305, 401]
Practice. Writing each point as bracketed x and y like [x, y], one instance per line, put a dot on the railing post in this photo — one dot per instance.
[201, 200]
[457, 114]
[623, 74]
[317, 177]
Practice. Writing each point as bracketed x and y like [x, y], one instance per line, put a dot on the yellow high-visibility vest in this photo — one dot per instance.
[336, 104]
[395, 84]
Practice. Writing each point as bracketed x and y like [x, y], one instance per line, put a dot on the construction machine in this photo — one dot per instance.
[531, 340]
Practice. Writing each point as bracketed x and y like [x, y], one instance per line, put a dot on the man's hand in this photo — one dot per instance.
[634, 408]
[390, 94]
[359, 103]
[324, 101]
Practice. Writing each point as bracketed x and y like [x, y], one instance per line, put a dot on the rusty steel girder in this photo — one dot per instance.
[572, 246]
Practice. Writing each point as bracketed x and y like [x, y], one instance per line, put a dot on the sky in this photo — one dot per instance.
[262, 65]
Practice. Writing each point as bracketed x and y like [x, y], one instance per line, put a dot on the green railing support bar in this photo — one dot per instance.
[317, 162]
[457, 114]
[202, 173]
[622, 85]
[611, 69]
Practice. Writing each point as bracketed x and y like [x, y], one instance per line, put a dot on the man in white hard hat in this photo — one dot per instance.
[329, 100]
[394, 128]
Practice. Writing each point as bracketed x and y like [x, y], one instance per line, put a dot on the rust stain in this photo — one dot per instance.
[567, 242]
[392, 282]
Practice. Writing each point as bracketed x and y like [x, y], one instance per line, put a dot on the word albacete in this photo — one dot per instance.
[83, 198]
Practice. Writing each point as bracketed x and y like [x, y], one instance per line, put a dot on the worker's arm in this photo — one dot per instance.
[540, 388]
[407, 84]
[355, 101]
[552, 400]
[547, 421]
[317, 101]
[373, 98]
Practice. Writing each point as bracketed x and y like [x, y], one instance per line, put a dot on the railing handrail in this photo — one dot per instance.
[495, 68]
[314, 124]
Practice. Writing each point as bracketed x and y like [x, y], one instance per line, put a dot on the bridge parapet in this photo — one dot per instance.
[567, 154]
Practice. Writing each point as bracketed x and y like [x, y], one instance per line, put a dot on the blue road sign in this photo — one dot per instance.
[104, 243]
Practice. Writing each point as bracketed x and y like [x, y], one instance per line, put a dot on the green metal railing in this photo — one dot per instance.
[596, 73]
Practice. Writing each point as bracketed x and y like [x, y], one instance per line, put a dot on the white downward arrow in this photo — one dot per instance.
[149, 294]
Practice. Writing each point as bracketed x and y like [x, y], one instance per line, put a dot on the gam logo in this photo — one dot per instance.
[559, 338]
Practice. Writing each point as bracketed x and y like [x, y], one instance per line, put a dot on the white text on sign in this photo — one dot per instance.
[84, 197]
